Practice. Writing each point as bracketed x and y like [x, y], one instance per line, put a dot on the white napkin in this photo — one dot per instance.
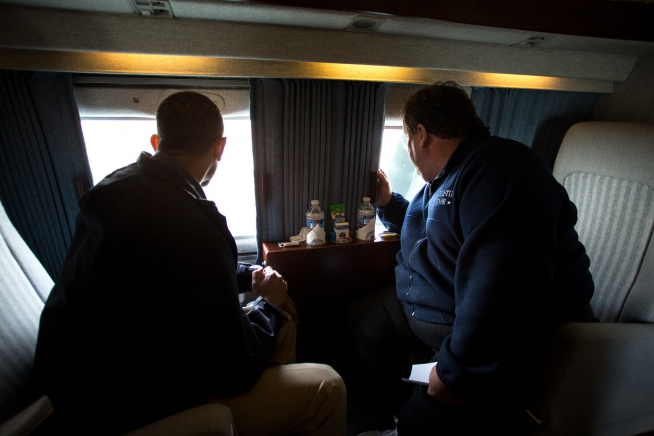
[367, 232]
[296, 240]
[316, 236]
[301, 237]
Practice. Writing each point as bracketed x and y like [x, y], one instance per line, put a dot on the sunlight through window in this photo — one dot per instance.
[395, 162]
[114, 143]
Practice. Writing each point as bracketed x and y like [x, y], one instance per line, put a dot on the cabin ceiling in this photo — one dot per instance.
[603, 26]
[588, 43]
[617, 19]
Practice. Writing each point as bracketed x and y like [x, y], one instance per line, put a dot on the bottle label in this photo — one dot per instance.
[364, 220]
[312, 224]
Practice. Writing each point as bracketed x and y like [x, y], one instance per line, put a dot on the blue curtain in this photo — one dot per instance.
[538, 119]
[44, 169]
[312, 139]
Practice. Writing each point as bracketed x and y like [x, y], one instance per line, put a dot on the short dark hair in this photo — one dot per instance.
[188, 123]
[443, 108]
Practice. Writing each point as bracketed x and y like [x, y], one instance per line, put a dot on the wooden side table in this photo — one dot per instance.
[324, 281]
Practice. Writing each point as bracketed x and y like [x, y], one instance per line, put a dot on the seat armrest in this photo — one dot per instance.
[28, 419]
[598, 380]
[207, 420]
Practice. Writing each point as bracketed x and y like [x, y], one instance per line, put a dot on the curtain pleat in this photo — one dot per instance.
[536, 118]
[314, 139]
[42, 156]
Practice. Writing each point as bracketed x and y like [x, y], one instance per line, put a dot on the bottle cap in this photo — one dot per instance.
[366, 198]
[314, 202]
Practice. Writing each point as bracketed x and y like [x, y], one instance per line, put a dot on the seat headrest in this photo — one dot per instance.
[613, 149]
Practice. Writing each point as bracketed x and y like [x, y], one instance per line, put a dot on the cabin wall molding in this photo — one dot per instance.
[126, 63]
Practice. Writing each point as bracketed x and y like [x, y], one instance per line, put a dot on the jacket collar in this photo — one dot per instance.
[476, 133]
[171, 171]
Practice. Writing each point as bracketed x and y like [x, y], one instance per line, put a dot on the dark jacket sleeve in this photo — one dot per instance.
[392, 215]
[244, 277]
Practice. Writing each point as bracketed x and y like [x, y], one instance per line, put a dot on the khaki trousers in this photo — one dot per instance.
[291, 398]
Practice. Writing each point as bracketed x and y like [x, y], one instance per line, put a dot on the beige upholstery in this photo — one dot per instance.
[599, 378]
[209, 419]
[28, 419]
[24, 285]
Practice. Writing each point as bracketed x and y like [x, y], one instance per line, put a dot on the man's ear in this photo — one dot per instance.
[154, 141]
[220, 148]
[422, 136]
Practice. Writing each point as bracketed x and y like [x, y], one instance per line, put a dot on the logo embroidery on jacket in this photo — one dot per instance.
[444, 196]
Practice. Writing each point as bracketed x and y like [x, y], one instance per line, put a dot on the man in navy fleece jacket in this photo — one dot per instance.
[490, 264]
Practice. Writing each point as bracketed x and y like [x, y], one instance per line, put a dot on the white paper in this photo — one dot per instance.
[367, 232]
[301, 237]
[316, 236]
[420, 373]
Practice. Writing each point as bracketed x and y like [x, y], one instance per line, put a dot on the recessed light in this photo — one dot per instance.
[365, 23]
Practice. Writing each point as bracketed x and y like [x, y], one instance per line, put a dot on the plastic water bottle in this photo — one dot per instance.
[315, 216]
[365, 213]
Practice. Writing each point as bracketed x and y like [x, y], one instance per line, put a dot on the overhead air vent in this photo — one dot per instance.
[531, 42]
[365, 23]
[152, 8]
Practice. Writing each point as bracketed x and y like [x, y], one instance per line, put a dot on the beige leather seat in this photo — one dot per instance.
[600, 377]
[24, 287]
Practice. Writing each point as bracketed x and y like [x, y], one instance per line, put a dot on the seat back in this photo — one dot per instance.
[608, 170]
[24, 286]
[597, 378]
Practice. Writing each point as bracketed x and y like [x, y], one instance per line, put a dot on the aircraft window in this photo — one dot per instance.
[394, 159]
[395, 162]
[114, 143]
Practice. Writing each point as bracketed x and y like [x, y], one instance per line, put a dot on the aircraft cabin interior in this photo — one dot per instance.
[310, 94]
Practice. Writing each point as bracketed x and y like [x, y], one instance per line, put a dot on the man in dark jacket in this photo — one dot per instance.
[145, 321]
[490, 263]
